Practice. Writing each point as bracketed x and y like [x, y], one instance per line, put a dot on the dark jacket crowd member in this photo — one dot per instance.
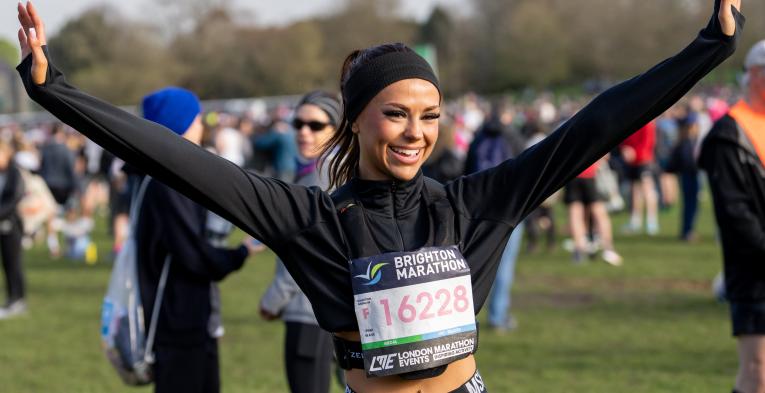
[396, 265]
[11, 232]
[733, 154]
[307, 347]
[172, 228]
[682, 161]
[57, 166]
[57, 169]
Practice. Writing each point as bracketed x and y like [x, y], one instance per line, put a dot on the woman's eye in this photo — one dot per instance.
[431, 116]
[393, 113]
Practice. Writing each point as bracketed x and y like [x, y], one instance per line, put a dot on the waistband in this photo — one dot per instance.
[473, 385]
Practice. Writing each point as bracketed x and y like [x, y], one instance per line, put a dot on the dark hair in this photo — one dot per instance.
[344, 143]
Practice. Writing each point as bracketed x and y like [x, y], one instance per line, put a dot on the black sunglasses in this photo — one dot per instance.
[314, 125]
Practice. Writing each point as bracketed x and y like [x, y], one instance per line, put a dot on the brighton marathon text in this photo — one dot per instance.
[427, 263]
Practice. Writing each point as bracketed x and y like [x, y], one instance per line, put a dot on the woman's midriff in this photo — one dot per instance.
[455, 376]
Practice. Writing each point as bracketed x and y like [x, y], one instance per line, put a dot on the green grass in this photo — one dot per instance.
[649, 326]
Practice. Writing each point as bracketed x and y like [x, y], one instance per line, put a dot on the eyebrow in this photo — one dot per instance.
[402, 106]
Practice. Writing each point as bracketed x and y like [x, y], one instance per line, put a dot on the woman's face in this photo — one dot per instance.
[397, 130]
[309, 137]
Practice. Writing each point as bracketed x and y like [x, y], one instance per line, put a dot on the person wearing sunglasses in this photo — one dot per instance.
[307, 348]
[395, 265]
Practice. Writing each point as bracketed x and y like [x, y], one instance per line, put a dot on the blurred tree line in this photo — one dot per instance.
[211, 47]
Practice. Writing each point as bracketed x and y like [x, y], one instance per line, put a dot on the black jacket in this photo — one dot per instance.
[57, 166]
[10, 196]
[302, 225]
[737, 180]
[171, 224]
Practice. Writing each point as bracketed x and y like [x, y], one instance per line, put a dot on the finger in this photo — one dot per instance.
[37, 22]
[26, 21]
[35, 44]
[23, 26]
[25, 49]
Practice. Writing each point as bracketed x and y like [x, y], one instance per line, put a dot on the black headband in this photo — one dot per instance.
[380, 72]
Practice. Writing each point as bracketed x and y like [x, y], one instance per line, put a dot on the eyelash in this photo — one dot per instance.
[402, 114]
[395, 113]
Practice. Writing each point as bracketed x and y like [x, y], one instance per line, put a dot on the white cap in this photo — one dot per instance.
[756, 56]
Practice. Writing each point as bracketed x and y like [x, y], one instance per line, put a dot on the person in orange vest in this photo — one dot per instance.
[733, 154]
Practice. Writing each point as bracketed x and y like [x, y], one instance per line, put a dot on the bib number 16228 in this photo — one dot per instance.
[426, 305]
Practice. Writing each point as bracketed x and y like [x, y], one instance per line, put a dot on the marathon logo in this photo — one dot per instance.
[383, 362]
[426, 263]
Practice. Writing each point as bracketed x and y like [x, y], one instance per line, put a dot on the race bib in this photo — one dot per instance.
[414, 309]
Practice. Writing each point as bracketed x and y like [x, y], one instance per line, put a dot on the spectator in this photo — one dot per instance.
[638, 154]
[171, 229]
[11, 232]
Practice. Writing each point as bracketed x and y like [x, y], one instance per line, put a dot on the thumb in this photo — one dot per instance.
[39, 61]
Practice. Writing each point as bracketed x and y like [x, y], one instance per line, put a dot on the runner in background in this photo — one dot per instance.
[683, 163]
[733, 155]
[585, 205]
[638, 154]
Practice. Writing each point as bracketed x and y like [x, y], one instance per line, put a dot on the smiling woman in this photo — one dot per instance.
[404, 332]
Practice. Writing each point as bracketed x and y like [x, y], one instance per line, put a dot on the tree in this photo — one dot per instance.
[361, 24]
[113, 58]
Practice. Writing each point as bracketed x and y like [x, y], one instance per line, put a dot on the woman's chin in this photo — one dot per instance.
[404, 174]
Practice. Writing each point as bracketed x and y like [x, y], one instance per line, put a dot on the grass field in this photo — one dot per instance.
[649, 326]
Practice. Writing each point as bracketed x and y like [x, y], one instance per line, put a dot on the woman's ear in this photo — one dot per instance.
[355, 128]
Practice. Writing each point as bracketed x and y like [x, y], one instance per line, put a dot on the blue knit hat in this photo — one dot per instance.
[172, 107]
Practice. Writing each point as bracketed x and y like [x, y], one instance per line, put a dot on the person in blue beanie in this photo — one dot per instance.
[171, 225]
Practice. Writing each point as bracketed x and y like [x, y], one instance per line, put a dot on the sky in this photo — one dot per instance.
[267, 12]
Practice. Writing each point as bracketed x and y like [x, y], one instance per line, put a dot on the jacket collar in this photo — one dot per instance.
[389, 197]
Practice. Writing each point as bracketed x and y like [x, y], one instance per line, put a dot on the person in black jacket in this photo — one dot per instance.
[683, 162]
[57, 169]
[172, 229]
[11, 232]
[422, 255]
[733, 154]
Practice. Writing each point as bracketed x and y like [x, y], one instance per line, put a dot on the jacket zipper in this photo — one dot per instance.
[395, 213]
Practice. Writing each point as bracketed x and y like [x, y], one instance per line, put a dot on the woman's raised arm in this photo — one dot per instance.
[516, 187]
[268, 209]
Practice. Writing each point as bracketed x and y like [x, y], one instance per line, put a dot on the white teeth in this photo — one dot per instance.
[406, 152]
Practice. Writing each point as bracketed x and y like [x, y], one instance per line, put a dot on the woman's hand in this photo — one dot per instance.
[727, 21]
[31, 40]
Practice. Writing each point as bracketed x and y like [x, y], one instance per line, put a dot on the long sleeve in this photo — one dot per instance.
[516, 187]
[267, 209]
